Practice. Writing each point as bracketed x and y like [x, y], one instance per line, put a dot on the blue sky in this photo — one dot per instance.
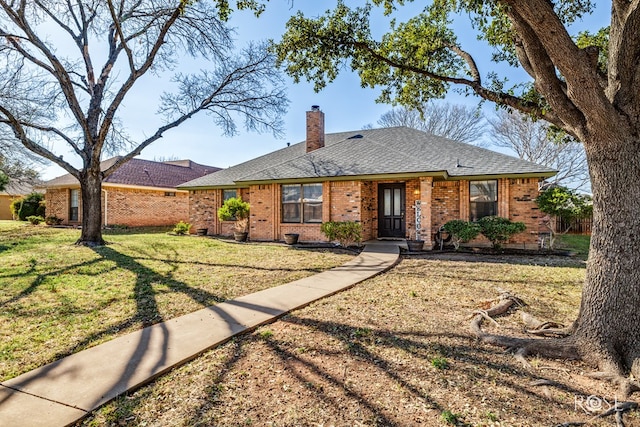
[346, 105]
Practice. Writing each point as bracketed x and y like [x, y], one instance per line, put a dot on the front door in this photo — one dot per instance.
[391, 207]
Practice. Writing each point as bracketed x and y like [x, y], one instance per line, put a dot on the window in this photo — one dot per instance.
[169, 194]
[74, 202]
[483, 199]
[228, 194]
[302, 203]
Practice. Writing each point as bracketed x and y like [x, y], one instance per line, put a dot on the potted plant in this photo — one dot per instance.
[235, 209]
[291, 238]
[416, 244]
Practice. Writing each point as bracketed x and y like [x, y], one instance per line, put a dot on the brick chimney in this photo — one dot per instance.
[315, 128]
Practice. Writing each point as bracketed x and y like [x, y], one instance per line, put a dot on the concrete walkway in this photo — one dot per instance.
[66, 390]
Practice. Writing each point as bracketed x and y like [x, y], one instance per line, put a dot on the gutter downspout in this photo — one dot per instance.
[106, 203]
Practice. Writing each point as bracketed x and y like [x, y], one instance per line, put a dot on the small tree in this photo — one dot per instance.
[30, 205]
[562, 203]
[461, 231]
[499, 230]
[235, 209]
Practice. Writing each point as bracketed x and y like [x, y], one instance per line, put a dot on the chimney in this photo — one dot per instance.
[315, 128]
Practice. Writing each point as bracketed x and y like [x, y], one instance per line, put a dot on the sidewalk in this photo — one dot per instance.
[66, 390]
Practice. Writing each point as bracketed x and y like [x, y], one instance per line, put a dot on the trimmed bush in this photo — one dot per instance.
[35, 219]
[499, 230]
[182, 228]
[53, 220]
[345, 232]
[30, 205]
[235, 209]
[461, 231]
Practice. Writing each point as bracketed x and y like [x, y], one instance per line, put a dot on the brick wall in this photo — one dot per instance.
[57, 204]
[131, 207]
[263, 209]
[369, 199]
[358, 201]
[203, 209]
[522, 207]
[446, 203]
[5, 206]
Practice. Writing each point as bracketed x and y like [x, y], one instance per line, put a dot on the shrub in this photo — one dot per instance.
[235, 209]
[53, 220]
[461, 231]
[498, 230]
[182, 228]
[345, 232]
[35, 219]
[30, 205]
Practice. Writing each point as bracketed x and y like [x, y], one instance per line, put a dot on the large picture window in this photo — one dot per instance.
[302, 203]
[74, 203]
[483, 199]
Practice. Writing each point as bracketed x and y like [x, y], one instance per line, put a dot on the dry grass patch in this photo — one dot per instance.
[392, 351]
[57, 298]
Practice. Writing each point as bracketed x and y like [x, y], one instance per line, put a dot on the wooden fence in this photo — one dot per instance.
[578, 226]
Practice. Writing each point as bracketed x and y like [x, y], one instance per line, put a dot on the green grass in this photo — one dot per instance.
[57, 298]
[575, 243]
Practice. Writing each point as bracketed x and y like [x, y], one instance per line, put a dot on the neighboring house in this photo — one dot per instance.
[11, 192]
[393, 181]
[138, 193]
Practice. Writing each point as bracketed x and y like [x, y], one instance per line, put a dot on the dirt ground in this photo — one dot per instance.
[392, 351]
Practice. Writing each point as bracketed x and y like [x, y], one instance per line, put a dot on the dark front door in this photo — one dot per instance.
[391, 206]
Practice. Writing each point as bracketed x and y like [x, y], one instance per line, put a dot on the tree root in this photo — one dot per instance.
[563, 346]
[547, 329]
[618, 410]
[558, 348]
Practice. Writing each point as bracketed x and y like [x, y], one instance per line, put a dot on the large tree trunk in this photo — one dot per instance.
[607, 330]
[91, 188]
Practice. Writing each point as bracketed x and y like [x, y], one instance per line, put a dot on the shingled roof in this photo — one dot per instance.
[374, 152]
[144, 173]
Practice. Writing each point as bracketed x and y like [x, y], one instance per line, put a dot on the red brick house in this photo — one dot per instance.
[397, 182]
[139, 193]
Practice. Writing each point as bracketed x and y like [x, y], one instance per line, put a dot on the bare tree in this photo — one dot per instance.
[452, 121]
[536, 142]
[53, 96]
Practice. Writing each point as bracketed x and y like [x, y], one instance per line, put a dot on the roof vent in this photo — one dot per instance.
[358, 136]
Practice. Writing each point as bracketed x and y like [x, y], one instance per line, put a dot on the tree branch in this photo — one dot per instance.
[573, 63]
[20, 134]
[56, 69]
[498, 97]
[126, 86]
[543, 71]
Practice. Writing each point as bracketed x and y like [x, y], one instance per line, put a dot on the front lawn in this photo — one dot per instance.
[394, 350]
[57, 298]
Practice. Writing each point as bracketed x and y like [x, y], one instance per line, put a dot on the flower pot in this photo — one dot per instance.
[415, 245]
[291, 238]
[240, 236]
[201, 231]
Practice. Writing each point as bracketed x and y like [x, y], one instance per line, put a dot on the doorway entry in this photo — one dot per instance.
[391, 210]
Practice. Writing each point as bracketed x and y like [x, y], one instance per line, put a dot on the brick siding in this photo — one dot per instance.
[131, 207]
[440, 202]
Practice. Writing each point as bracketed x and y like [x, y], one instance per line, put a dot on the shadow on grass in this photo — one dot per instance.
[331, 386]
